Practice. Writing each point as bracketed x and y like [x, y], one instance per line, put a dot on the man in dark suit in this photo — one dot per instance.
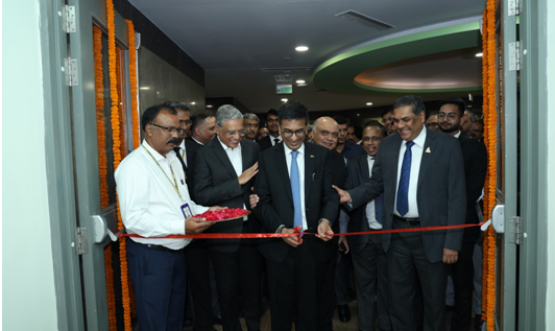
[224, 171]
[294, 187]
[273, 137]
[475, 167]
[421, 174]
[201, 281]
[325, 131]
[367, 251]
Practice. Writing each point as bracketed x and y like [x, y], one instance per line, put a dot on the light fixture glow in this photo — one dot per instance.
[369, 104]
[301, 48]
[300, 81]
[208, 106]
[284, 100]
[193, 103]
[144, 88]
[479, 54]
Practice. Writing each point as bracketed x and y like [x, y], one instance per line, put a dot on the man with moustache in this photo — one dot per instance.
[387, 121]
[155, 202]
[421, 174]
[294, 186]
[467, 121]
[348, 149]
[325, 132]
[262, 133]
[251, 123]
[354, 134]
[203, 128]
[431, 122]
[224, 171]
[367, 251]
[477, 132]
[475, 167]
[274, 136]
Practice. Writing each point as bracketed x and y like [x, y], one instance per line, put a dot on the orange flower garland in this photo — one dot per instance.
[133, 83]
[102, 167]
[117, 156]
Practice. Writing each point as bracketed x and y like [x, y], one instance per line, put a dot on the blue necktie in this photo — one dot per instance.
[403, 192]
[296, 190]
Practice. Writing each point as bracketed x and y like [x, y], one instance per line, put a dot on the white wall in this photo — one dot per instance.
[28, 297]
[550, 304]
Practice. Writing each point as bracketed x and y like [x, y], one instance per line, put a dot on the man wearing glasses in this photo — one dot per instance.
[421, 174]
[387, 121]
[294, 187]
[224, 172]
[155, 202]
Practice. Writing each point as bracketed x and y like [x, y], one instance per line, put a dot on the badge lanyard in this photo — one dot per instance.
[174, 184]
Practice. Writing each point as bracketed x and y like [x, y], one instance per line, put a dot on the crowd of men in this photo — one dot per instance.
[413, 169]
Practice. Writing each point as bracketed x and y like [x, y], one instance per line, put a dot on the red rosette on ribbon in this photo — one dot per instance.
[223, 215]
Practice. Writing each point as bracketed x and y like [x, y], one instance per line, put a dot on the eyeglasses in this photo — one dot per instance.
[450, 115]
[170, 130]
[325, 133]
[186, 122]
[241, 133]
[373, 139]
[288, 133]
[251, 125]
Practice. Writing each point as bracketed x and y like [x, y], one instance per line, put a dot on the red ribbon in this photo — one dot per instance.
[297, 233]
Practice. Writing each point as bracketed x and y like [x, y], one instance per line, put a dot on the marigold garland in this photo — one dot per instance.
[490, 139]
[133, 83]
[117, 156]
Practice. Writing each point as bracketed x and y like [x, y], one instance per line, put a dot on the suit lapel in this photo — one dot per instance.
[394, 165]
[427, 157]
[222, 155]
[244, 155]
[308, 170]
[282, 171]
[365, 170]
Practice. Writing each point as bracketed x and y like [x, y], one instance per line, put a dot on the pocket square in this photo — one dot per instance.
[428, 150]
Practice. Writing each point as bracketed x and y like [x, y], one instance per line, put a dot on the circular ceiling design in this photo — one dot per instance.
[435, 61]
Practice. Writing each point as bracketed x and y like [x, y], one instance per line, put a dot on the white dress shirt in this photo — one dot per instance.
[236, 159]
[300, 166]
[371, 206]
[149, 204]
[417, 149]
[183, 152]
[272, 139]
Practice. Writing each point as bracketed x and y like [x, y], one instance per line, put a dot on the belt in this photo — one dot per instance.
[409, 221]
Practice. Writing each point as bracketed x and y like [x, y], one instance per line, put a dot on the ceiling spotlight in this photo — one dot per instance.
[193, 103]
[208, 106]
[144, 88]
[358, 114]
[301, 48]
[479, 54]
[369, 104]
[284, 100]
[300, 81]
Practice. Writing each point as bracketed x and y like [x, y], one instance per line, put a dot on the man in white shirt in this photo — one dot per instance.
[421, 175]
[224, 172]
[155, 202]
[367, 251]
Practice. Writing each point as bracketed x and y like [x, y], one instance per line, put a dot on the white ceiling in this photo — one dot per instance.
[233, 40]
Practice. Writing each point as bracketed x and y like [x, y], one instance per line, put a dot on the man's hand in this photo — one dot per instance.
[216, 208]
[291, 241]
[248, 174]
[253, 199]
[344, 196]
[195, 225]
[343, 240]
[450, 256]
[324, 230]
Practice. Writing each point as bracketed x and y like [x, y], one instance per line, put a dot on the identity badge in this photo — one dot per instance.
[186, 210]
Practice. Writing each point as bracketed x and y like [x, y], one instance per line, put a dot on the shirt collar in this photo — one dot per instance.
[371, 158]
[272, 137]
[458, 134]
[227, 148]
[421, 139]
[198, 142]
[288, 150]
[157, 156]
[182, 146]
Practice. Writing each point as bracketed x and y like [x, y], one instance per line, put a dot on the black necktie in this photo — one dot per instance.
[276, 141]
[177, 151]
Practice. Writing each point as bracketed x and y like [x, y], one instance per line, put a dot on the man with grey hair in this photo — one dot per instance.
[224, 171]
[466, 122]
[251, 122]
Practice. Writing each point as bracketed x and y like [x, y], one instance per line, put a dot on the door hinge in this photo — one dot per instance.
[71, 71]
[514, 7]
[516, 230]
[81, 241]
[514, 56]
[68, 19]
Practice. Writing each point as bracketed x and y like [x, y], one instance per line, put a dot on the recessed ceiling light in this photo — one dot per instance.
[193, 103]
[144, 88]
[300, 81]
[301, 48]
[479, 54]
[208, 106]
[284, 100]
[358, 114]
[369, 104]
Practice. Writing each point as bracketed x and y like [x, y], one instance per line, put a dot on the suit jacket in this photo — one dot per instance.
[441, 193]
[191, 149]
[352, 150]
[264, 143]
[358, 173]
[339, 173]
[216, 183]
[275, 206]
[475, 160]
